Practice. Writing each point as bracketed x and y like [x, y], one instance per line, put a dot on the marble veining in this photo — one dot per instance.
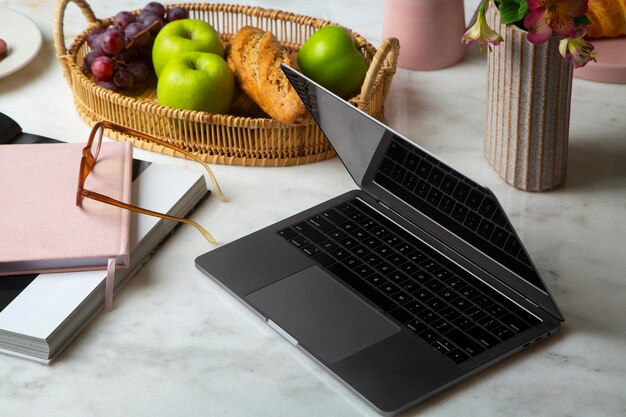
[176, 344]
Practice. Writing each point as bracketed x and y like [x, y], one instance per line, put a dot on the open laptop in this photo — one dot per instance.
[402, 287]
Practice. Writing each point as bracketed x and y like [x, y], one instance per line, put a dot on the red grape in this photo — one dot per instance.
[128, 54]
[122, 20]
[113, 42]
[108, 85]
[151, 20]
[156, 8]
[102, 68]
[88, 60]
[121, 55]
[134, 33]
[93, 36]
[139, 70]
[123, 79]
[176, 13]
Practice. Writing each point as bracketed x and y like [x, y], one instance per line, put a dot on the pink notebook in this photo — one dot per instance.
[42, 229]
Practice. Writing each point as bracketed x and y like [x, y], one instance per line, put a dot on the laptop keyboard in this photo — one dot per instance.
[455, 313]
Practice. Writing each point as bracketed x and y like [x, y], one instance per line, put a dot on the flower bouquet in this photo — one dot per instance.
[541, 19]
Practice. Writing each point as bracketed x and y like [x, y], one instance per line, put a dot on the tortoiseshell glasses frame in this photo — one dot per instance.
[90, 157]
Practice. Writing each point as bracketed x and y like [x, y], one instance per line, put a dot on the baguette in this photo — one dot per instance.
[255, 57]
[608, 18]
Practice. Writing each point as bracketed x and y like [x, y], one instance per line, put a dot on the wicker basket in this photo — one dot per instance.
[243, 137]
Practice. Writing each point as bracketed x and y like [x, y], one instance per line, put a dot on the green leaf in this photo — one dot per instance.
[512, 11]
[582, 20]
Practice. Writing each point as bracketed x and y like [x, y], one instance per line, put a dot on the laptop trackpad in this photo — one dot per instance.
[322, 315]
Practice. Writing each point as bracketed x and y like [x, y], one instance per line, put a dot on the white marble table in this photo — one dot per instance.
[178, 345]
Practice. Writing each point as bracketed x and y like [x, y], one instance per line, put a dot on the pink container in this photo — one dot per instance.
[429, 31]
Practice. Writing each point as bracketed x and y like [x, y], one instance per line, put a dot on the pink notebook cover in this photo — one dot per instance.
[42, 229]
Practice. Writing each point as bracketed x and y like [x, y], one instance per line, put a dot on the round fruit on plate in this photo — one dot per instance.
[196, 81]
[331, 58]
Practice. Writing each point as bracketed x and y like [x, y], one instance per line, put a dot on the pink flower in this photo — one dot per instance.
[481, 31]
[546, 16]
[577, 49]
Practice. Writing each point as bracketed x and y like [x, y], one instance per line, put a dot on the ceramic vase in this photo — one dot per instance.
[529, 89]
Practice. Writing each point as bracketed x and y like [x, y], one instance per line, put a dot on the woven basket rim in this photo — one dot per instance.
[377, 80]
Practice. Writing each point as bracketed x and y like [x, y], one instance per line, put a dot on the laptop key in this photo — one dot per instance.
[321, 223]
[288, 233]
[461, 191]
[416, 326]
[514, 322]
[474, 199]
[310, 250]
[328, 245]
[427, 316]
[450, 313]
[351, 262]
[383, 250]
[429, 336]
[415, 306]
[389, 288]
[346, 208]
[376, 280]
[482, 336]
[334, 216]
[442, 326]
[387, 166]
[443, 345]
[464, 342]
[363, 271]
[496, 310]
[299, 241]
[397, 276]
[323, 259]
[397, 152]
[366, 290]
[502, 333]
[337, 235]
[463, 323]
[457, 356]
[448, 183]
[409, 285]
[339, 253]
[308, 231]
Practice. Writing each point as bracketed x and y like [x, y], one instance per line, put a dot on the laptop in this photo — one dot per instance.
[406, 285]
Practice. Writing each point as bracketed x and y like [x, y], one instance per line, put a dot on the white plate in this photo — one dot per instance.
[23, 39]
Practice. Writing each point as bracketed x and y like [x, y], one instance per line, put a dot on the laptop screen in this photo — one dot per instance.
[453, 200]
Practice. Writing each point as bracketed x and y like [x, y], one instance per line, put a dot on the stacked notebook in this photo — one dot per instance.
[41, 314]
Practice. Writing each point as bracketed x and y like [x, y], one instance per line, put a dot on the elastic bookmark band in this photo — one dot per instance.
[109, 285]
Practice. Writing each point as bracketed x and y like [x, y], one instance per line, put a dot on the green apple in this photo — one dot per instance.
[184, 35]
[331, 58]
[196, 81]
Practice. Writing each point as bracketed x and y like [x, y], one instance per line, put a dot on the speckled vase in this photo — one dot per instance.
[529, 90]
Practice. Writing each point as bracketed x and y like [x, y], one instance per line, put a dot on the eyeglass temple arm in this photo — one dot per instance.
[188, 154]
[108, 200]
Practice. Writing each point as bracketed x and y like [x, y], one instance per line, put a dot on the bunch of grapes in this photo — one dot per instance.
[121, 55]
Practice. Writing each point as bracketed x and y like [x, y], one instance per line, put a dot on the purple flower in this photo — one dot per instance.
[547, 16]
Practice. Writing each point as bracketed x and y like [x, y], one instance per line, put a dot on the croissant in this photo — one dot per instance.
[608, 18]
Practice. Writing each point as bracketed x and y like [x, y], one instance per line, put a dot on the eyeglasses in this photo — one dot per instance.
[90, 156]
